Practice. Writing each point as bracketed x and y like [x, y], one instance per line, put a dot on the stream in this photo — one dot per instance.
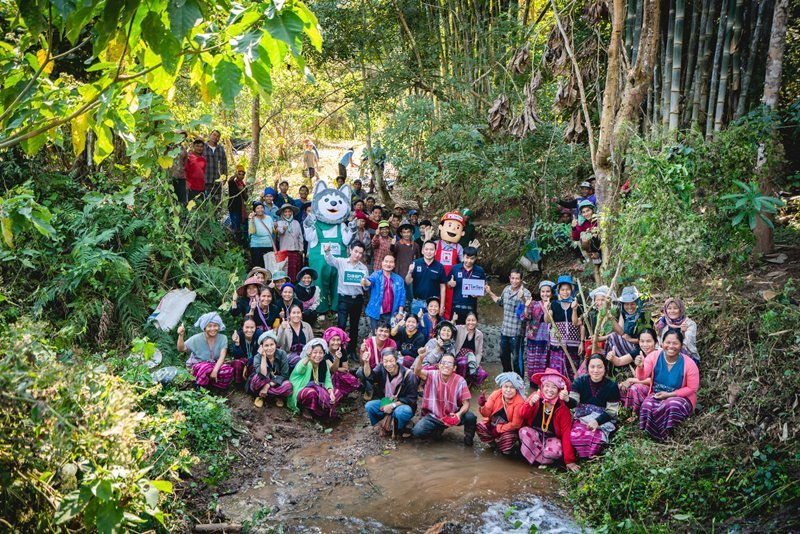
[347, 479]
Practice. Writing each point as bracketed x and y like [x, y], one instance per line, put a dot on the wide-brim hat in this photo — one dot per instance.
[629, 294]
[252, 281]
[538, 377]
[307, 270]
[405, 226]
[292, 207]
[279, 275]
[266, 272]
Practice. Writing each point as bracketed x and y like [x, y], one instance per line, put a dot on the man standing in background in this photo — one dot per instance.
[216, 165]
[347, 160]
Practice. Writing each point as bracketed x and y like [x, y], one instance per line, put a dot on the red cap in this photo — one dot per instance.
[361, 215]
[453, 216]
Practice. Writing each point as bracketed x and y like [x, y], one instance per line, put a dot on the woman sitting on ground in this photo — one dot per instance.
[376, 343]
[444, 342]
[673, 390]
[430, 319]
[623, 343]
[343, 381]
[244, 345]
[538, 330]
[397, 387]
[308, 294]
[270, 376]
[265, 314]
[502, 412]
[409, 339]
[288, 299]
[208, 350]
[595, 399]
[674, 319]
[312, 390]
[546, 422]
[633, 390]
[293, 334]
[469, 350]
[245, 298]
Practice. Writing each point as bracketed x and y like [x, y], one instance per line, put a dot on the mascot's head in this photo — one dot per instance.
[451, 227]
[331, 206]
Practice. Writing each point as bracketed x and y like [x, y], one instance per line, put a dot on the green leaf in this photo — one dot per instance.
[32, 16]
[311, 24]
[287, 27]
[109, 518]
[766, 220]
[162, 485]
[70, 507]
[738, 218]
[104, 491]
[151, 497]
[65, 8]
[106, 27]
[228, 78]
[105, 143]
[260, 74]
[183, 16]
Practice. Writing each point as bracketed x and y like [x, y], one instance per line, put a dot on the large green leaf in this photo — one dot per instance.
[106, 27]
[109, 518]
[162, 42]
[259, 73]
[32, 15]
[183, 16]
[286, 26]
[228, 78]
[312, 28]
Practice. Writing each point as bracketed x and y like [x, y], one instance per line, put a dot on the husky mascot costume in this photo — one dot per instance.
[327, 225]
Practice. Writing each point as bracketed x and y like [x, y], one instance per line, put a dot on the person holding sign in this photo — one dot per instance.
[468, 283]
[349, 273]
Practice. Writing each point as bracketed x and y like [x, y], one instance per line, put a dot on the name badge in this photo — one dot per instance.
[336, 249]
[447, 257]
[353, 278]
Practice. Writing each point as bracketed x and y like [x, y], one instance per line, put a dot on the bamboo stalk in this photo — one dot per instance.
[747, 75]
[704, 65]
[712, 93]
[666, 89]
[630, 18]
[691, 52]
[696, 62]
[725, 66]
[677, 53]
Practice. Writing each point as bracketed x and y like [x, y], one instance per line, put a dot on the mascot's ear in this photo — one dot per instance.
[346, 191]
[320, 187]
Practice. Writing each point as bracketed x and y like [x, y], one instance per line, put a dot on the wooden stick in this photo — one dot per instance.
[561, 344]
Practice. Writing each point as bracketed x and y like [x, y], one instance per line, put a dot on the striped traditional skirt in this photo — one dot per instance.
[632, 397]
[658, 417]
[344, 383]
[294, 355]
[538, 350]
[462, 368]
[294, 262]
[588, 442]
[257, 382]
[620, 346]
[539, 448]
[202, 375]
[504, 441]
[316, 399]
[240, 370]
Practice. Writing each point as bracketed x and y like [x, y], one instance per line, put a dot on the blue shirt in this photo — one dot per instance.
[346, 158]
[426, 279]
[458, 273]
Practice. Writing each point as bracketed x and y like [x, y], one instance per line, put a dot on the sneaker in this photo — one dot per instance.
[259, 402]
[469, 441]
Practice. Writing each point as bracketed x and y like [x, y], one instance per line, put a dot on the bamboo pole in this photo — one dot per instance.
[666, 88]
[703, 66]
[712, 92]
[697, 63]
[755, 41]
[725, 65]
[677, 53]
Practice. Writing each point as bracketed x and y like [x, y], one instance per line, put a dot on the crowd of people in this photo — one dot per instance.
[582, 358]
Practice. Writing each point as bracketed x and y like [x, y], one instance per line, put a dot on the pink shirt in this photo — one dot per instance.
[388, 295]
[691, 376]
[442, 398]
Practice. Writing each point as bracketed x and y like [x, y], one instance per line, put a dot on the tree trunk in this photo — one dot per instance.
[703, 65]
[742, 107]
[772, 88]
[619, 116]
[722, 93]
[255, 133]
[677, 53]
[712, 96]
